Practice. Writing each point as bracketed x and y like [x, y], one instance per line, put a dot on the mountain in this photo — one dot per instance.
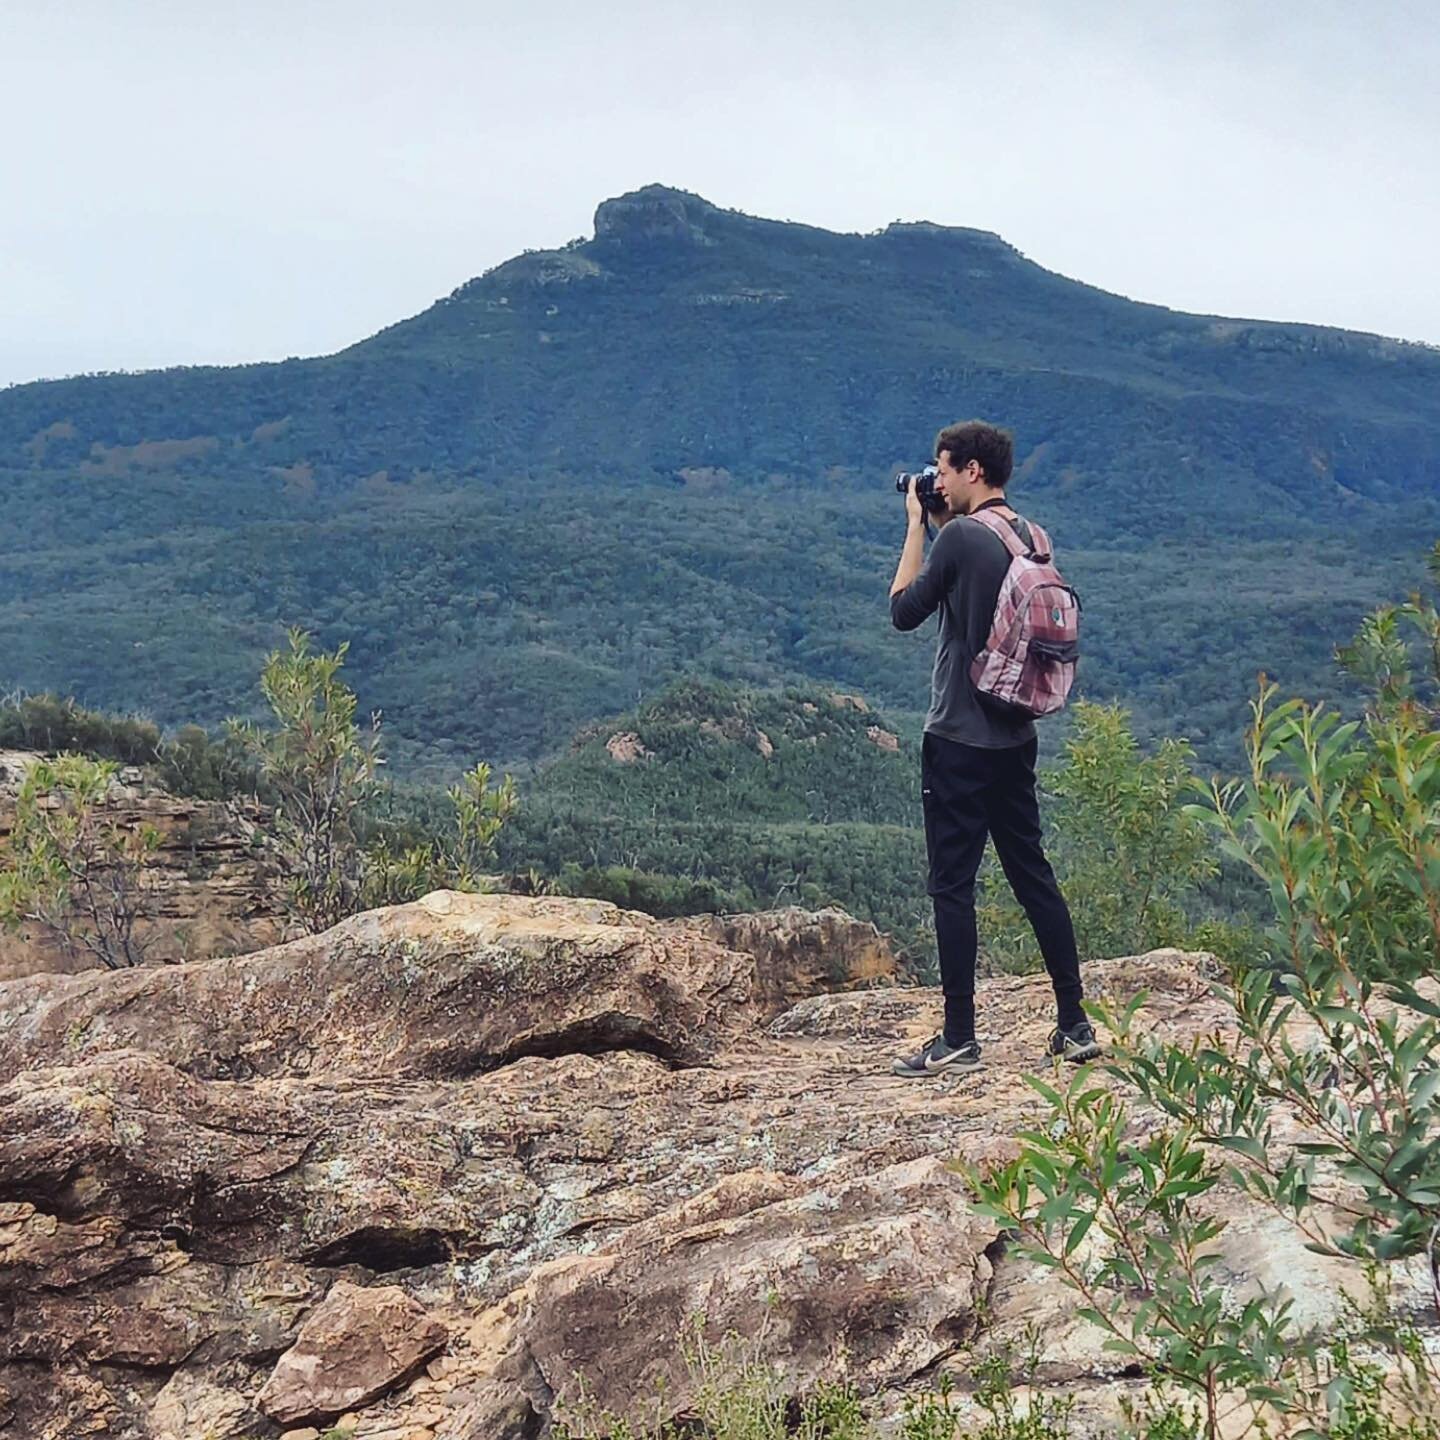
[666, 450]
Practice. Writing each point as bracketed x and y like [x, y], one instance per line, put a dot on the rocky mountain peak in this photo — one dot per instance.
[655, 213]
[986, 240]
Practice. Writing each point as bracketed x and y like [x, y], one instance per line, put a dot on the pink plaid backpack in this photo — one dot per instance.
[1028, 665]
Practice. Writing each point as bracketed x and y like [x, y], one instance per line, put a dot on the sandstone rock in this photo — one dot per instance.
[190, 1406]
[449, 985]
[446, 1106]
[869, 1278]
[883, 739]
[799, 953]
[211, 894]
[356, 1345]
[764, 744]
[626, 747]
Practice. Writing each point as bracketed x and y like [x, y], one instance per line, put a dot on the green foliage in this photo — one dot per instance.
[1129, 857]
[1348, 843]
[736, 800]
[710, 751]
[1114, 1214]
[52, 725]
[743, 402]
[662, 895]
[321, 768]
[77, 874]
[1342, 823]
[737, 1395]
[932, 1415]
[1383, 656]
[454, 861]
[192, 762]
[336, 855]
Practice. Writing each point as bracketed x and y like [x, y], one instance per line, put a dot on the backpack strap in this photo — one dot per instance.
[1011, 539]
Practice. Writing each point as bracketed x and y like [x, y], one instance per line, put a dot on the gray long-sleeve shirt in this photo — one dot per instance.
[961, 578]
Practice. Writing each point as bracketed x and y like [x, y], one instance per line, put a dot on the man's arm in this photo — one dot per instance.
[912, 557]
[919, 583]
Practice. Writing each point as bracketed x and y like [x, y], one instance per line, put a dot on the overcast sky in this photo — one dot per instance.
[216, 182]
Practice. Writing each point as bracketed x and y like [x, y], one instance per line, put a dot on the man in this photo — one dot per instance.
[978, 767]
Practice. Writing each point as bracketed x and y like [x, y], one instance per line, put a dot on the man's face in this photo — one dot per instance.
[957, 486]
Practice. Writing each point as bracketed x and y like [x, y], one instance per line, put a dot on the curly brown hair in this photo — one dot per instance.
[978, 440]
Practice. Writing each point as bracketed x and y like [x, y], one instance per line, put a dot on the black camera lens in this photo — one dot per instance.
[924, 487]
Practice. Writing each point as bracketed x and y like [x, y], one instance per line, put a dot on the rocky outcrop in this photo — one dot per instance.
[654, 214]
[799, 953]
[356, 1345]
[882, 739]
[625, 748]
[451, 985]
[209, 890]
[259, 1192]
[875, 1274]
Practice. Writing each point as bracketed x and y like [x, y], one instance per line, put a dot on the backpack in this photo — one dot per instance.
[1028, 665]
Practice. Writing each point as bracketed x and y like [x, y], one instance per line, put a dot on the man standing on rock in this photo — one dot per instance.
[978, 767]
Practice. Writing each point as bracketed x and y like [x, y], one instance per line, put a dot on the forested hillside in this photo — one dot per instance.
[666, 450]
[709, 797]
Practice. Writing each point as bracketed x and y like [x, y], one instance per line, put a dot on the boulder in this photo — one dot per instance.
[450, 985]
[799, 953]
[867, 1277]
[357, 1345]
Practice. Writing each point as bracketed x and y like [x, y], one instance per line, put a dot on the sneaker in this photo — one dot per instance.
[938, 1058]
[1075, 1044]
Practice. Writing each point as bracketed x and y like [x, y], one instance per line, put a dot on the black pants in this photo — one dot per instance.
[969, 793]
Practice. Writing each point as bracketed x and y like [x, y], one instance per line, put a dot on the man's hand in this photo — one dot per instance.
[914, 510]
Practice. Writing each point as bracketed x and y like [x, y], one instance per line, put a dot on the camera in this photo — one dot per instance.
[924, 488]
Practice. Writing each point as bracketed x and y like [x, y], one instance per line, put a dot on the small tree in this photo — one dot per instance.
[455, 862]
[321, 767]
[72, 870]
[1128, 853]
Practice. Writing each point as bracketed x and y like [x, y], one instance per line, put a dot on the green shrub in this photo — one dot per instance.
[321, 771]
[661, 895]
[54, 725]
[1338, 1026]
[321, 767]
[72, 870]
[192, 762]
[454, 860]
